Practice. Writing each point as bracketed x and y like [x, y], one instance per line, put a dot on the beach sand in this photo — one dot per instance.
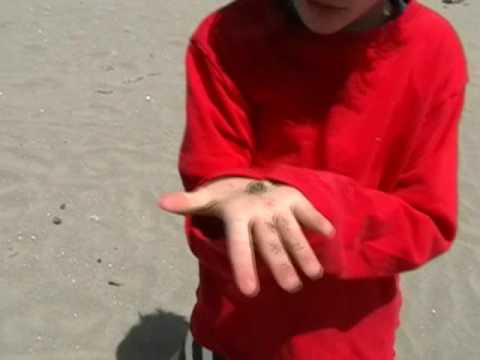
[91, 115]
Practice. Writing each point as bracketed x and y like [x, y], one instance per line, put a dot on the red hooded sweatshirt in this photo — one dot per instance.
[365, 126]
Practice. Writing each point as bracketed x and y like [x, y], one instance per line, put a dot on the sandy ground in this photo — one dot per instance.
[91, 115]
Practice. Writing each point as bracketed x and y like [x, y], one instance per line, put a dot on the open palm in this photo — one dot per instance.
[266, 223]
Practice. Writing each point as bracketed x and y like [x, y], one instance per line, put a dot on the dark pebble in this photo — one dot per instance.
[114, 283]
[99, 261]
[56, 220]
[63, 206]
[104, 92]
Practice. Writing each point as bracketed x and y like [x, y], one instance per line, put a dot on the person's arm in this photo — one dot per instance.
[218, 138]
[378, 233]
[218, 145]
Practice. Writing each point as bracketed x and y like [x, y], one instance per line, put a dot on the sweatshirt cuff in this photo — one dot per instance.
[253, 173]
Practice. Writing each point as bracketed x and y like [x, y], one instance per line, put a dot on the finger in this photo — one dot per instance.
[309, 216]
[197, 202]
[298, 246]
[241, 254]
[269, 245]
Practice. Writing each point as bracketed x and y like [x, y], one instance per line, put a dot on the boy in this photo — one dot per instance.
[319, 162]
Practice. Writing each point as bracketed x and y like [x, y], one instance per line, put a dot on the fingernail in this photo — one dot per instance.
[317, 275]
[293, 284]
[331, 232]
[251, 289]
[297, 288]
[315, 270]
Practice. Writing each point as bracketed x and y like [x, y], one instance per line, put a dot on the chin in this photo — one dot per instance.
[324, 28]
[323, 22]
[321, 30]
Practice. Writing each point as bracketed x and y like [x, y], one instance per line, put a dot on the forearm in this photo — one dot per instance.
[378, 233]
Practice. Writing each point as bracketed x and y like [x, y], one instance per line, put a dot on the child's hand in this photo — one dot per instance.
[200, 200]
[267, 222]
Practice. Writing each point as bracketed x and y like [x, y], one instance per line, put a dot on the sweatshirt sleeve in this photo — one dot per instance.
[218, 137]
[217, 142]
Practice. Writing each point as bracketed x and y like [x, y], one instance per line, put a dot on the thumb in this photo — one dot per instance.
[183, 203]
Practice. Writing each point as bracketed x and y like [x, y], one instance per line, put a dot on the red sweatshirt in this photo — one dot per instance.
[365, 126]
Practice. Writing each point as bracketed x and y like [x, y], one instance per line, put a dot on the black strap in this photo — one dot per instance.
[196, 351]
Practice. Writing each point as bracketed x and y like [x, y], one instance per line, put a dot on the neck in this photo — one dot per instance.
[378, 15]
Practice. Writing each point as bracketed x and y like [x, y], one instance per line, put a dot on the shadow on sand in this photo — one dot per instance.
[156, 337]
